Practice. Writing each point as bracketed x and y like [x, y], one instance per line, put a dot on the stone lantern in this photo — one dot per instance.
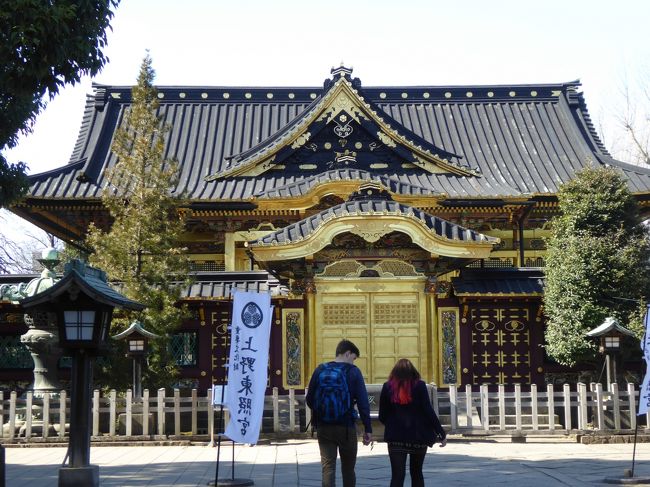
[42, 337]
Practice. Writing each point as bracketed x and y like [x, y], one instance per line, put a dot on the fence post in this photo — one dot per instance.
[534, 410]
[582, 406]
[550, 399]
[62, 403]
[95, 412]
[485, 407]
[145, 412]
[276, 413]
[292, 410]
[518, 406]
[195, 407]
[210, 416]
[617, 406]
[453, 407]
[12, 414]
[502, 407]
[129, 412]
[567, 407]
[632, 403]
[599, 407]
[46, 415]
[177, 412]
[160, 405]
[468, 405]
[307, 410]
[112, 412]
[434, 398]
[29, 401]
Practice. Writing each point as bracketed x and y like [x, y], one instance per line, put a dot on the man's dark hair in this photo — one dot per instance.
[347, 346]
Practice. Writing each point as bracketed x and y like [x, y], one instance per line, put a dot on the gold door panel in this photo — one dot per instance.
[395, 333]
[385, 327]
[344, 316]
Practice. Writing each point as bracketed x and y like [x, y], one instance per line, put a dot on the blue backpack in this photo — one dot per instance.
[332, 402]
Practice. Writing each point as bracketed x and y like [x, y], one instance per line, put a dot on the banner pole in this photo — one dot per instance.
[223, 389]
[232, 482]
[636, 423]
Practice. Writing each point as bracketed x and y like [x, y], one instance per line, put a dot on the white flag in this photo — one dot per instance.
[644, 393]
[248, 365]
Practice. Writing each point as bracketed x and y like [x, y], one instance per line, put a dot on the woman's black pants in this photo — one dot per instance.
[397, 457]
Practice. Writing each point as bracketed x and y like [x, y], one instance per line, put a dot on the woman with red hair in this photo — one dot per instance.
[411, 424]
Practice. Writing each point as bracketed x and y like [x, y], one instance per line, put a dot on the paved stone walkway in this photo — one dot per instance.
[296, 463]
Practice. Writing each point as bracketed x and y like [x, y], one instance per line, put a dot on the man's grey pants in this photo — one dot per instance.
[333, 438]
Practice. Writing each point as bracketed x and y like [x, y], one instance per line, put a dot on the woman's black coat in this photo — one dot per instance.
[415, 423]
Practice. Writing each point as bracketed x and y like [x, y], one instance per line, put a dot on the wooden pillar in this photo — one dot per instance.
[310, 326]
[433, 369]
[229, 252]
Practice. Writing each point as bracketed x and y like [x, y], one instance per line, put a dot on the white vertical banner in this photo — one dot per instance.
[644, 393]
[248, 365]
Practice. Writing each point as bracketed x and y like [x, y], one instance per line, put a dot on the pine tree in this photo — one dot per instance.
[142, 249]
[596, 263]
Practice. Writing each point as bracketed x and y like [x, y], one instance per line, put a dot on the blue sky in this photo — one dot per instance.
[280, 43]
[413, 42]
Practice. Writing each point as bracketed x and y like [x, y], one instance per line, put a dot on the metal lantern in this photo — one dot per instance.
[83, 302]
[610, 334]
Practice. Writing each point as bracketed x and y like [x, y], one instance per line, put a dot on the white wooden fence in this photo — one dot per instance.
[524, 409]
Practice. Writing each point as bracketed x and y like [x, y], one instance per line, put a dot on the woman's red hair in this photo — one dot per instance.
[401, 381]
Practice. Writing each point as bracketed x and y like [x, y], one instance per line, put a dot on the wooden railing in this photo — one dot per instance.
[522, 410]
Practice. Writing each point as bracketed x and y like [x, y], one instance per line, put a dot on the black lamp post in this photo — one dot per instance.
[610, 333]
[84, 303]
[138, 344]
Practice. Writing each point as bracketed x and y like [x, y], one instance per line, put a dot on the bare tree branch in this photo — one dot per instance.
[17, 250]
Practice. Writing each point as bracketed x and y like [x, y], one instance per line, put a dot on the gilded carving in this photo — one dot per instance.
[385, 139]
[342, 102]
[293, 339]
[300, 141]
[371, 231]
[370, 287]
[449, 344]
[350, 268]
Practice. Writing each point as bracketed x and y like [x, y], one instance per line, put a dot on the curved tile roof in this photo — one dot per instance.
[524, 139]
[499, 282]
[368, 207]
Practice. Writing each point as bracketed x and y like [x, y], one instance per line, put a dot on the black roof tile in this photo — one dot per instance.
[496, 282]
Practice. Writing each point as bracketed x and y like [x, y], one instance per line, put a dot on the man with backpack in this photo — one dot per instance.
[334, 389]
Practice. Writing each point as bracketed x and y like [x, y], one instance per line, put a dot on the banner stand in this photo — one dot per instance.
[231, 482]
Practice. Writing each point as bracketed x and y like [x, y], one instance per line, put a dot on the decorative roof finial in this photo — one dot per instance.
[341, 71]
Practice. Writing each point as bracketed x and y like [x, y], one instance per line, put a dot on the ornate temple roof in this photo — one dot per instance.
[219, 285]
[245, 143]
[367, 208]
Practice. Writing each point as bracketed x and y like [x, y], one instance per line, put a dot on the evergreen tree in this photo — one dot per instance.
[596, 264]
[43, 47]
[142, 249]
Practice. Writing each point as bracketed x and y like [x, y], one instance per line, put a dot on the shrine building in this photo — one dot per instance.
[408, 219]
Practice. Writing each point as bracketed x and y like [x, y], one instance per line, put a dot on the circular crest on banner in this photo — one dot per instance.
[251, 315]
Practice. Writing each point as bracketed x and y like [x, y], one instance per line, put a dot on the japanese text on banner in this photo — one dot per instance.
[248, 365]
